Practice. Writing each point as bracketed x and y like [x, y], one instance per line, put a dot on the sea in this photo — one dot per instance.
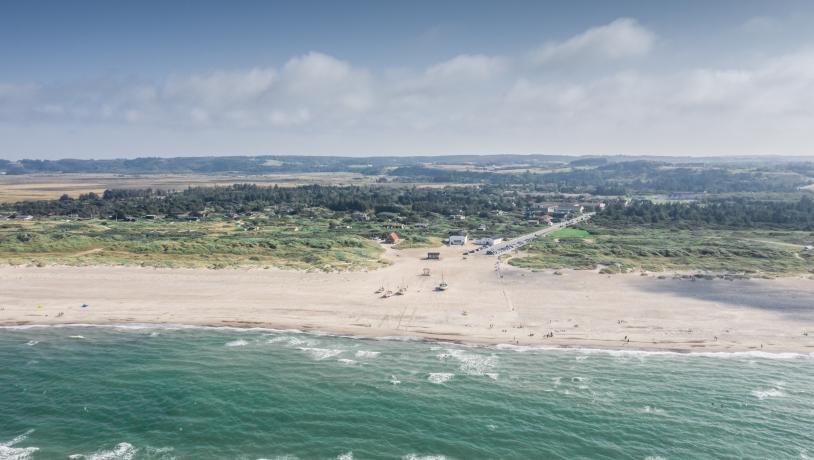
[175, 392]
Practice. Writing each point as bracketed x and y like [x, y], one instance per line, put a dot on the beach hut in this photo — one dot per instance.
[433, 256]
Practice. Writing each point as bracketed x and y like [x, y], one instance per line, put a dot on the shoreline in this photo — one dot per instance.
[427, 340]
[489, 303]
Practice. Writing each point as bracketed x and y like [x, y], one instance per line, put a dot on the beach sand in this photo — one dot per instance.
[486, 303]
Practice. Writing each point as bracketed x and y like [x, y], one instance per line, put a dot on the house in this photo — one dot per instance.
[458, 240]
[392, 238]
[488, 241]
[457, 217]
[360, 216]
[482, 227]
[545, 207]
[578, 208]
[433, 256]
[546, 219]
[150, 217]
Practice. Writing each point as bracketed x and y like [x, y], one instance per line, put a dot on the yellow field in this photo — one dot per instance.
[51, 186]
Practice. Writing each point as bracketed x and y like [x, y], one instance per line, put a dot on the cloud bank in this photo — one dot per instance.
[470, 103]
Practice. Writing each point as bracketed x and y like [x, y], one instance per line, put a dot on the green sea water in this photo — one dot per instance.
[161, 393]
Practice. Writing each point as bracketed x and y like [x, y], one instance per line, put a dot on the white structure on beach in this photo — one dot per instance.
[458, 240]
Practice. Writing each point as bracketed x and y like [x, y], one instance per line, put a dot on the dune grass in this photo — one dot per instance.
[218, 244]
[624, 250]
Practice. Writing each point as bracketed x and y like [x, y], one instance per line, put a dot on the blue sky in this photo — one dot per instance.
[120, 79]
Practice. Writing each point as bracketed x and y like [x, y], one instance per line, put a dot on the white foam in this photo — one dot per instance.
[321, 353]
[122, 451]
[440, 377]
[423, 457]
[653, 410]
[31, 343]
[346, 361]
[345, 456]
[76, 337]
[289, 340]
[367, 354]
[492, 375]
[237, 343]
[9, 452]
[646, 353]
[770, 393]
[394, 380]
[471, 363]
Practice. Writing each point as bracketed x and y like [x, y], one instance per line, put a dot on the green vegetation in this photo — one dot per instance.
[288, 243]
[570, 233]
[751, 216]
[660, 249]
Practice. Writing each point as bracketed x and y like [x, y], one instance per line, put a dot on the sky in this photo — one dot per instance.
[113, 79]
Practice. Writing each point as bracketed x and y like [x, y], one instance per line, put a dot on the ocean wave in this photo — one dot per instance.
[470, 363]
[290, 341]
[122, 451]
[367, 354]
[440, 377]
[9, 452]
[31, 343]
[321, 353]
[423, 457]
[346, 361]
[646, 353]
[237, 343]
[770, 393]
[345, 456]
[511, 347]
[653, 410]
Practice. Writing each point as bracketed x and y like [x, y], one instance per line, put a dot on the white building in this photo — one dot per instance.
[458, 240]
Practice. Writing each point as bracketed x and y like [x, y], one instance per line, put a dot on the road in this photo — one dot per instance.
[522, 240]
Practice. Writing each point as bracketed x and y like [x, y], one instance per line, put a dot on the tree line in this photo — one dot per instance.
[240, 198]
[735, 213]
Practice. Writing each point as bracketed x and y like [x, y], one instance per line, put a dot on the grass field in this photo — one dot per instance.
[569, 232]
[749, 252]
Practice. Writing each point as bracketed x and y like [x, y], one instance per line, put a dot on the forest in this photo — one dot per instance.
[731, 213]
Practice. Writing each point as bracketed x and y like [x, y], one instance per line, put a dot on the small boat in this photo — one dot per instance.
[380, 290]
[387, 294]
[401, 291]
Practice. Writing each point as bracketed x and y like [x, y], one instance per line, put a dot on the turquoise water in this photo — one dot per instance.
[147, 393]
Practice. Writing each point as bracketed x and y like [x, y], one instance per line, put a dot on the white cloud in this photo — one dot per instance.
[467, 66]
[622, 38]
[316, 103]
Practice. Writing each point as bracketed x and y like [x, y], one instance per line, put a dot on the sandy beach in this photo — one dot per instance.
[486, 303]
